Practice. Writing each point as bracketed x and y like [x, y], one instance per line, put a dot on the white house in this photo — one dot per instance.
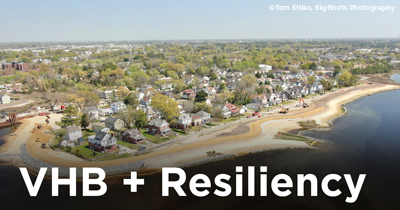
[105, 112]
[205, 117]
[5, 99]
[117, 106]
[73, 133]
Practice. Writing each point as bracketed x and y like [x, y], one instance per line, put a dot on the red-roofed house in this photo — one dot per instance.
[188, 94]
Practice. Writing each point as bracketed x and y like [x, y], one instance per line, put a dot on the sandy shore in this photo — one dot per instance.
[260, 135]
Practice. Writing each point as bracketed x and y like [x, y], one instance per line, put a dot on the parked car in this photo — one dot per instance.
[141, 148]
[249, 116]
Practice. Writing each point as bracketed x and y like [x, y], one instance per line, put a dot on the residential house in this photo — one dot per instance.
[139, 95]
[92, 112]
[105, 112]
[145, 87]
[102, 142]
[158, 127]
[99, 128]
[196, 120]
[133, 136]
[188, 94]
[205, 117]
[107, 94]
[114, 123]
[232, 108]
[5, 99]
[151, 114]
[117, 106]
[145, 101]
[260, 99]
[73, 133]
[254, 106]
[210, 91]
[184, 121]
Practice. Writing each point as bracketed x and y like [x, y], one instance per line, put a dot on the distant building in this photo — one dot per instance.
[114, 123]
[117, 106]
[5, 99]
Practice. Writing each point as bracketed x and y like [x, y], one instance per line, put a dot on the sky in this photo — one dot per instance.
[118, 20]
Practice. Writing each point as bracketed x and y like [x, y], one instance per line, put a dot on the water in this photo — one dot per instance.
[395, 77]
[4, 131]
[366, 141]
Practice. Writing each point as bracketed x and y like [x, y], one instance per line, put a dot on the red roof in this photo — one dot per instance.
[230, 106]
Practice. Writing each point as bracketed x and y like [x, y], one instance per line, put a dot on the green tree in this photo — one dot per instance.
[141, 119]
[222, 87]
[131, 100]
[201, 96]
[128, 116]
[71, 113]
[311, 80]
[85, 121]
[167, 107]
[345, 79]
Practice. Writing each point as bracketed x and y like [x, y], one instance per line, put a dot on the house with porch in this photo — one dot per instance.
[158, 127]
[102, 142]
[205, 117]
[196, 120]
[184, 121]
[133, 136]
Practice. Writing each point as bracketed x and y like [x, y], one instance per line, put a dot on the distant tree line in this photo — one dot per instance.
[374, 69]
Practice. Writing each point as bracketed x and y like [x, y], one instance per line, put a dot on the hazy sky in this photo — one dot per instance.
[104, 20]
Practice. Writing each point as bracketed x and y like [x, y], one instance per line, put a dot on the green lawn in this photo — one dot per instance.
[86, 133]
[152, 138]
[228, 120]
[85, 150]
[113, 157]
[127, 144]
[196, 128]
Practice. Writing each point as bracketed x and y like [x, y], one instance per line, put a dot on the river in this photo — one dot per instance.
[366, 141]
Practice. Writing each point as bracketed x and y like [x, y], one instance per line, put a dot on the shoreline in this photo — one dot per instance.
[253, 135]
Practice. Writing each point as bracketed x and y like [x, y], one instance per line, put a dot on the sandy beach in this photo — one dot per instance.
[257, 135]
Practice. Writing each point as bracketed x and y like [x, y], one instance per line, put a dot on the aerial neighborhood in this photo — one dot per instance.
[123, 98]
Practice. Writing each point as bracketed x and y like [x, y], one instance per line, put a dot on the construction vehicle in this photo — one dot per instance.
[37, 126]
[305, 105]
[284, 110]
[54, 107]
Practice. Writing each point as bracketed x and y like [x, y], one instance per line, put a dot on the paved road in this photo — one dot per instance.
[18, 103]
[195, 135]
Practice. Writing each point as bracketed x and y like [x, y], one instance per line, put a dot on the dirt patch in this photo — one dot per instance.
[380, 78]
[237, 130]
